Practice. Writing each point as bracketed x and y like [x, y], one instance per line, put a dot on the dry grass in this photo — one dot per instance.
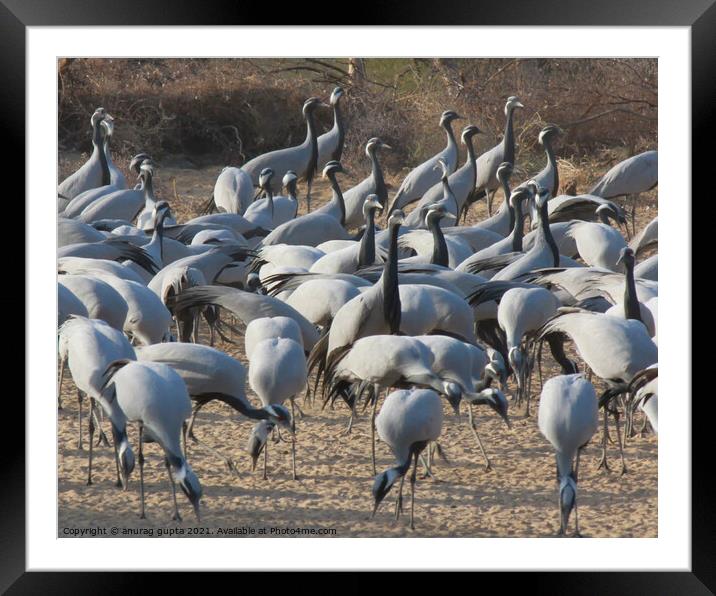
[224, 110]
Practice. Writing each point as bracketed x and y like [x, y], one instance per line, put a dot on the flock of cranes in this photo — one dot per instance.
[357, 302]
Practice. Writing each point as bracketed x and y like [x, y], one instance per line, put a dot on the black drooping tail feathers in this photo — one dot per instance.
[136, 254]
[111, 370]
[209, 206]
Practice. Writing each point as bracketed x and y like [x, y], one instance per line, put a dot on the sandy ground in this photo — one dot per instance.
[518, 498]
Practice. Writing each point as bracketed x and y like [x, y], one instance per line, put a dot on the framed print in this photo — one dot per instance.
[286, 324]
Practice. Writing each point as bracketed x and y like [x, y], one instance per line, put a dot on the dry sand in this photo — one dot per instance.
[518, 498]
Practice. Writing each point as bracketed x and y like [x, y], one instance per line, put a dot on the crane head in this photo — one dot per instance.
[137, 161]
[449, 116]
[468, 132]
[332, 168]
[190, 486]
[257, 440]
[443, 166]
[494, 398]
[382, 484]
[548, 133]
[626, 256]
[567, 499]
[372, 202]
[374, 144]
[279, 415]
[453, 393]
[517, 361]
[504, 171]
[518, 195]
[97, 116]
[125, 455]
[107, 123]
[437, 211]
[397, 217]
[336, 95]
[265, 177]
[311, 104]
[512, 103]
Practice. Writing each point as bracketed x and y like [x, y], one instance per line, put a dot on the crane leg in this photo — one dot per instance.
[90, 426]
[605, 431]
[101, 436]
[118, 484]
[140, 458]
[399, 499]
[79, 419]
[412, 492]
[265, 476]
[489, 197]
[376, 391]
[175, 515]
[63, 361]
[308, 195]
[293, 439]
[634, 197]
[473, 428]
[619, 440]
[576, 480]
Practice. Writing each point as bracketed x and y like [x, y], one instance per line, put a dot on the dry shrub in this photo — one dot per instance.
[230, 110]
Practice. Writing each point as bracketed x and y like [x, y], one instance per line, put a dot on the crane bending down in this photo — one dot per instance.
[568, 418]
[407, 422]
[155, 396]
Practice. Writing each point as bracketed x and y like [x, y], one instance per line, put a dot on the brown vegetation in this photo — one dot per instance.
[229, 110]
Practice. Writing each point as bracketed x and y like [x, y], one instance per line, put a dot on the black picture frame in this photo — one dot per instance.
[699, 15]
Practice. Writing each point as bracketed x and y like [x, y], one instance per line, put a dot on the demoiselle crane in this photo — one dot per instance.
[330, 144]
[487, 182]
[407, 422]
[302, 159]
[91, 174]
[233, 191]
[211, 375]
[631, 177]
[461, 182]
[87, 347]
[357, 254]
[374, 184]
[155, 396]
[423, 177]
[568, 418]
[277, 372]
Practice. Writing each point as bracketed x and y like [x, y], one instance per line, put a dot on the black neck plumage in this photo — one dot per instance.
[632, 309]
[391, 294]
[338, 197]
[440, 251]
[338, 125]
[509, 140]
[99, 146]
[366, 253]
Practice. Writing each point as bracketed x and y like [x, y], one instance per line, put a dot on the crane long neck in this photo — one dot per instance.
[340, 128]
[157, 241]
[544, 234]
[451, 142]
[311, 142]
[552, 163]
[148, 188]
[518, 228]
[511, 210]
[470, 162]
[366, 253]
[632, 309]
[269, 198]
[243, 407]
[508, 142]
[100, 149]
[377, 173]
[391, 294]
[440, 251]
[291, 190]
[337, 198]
